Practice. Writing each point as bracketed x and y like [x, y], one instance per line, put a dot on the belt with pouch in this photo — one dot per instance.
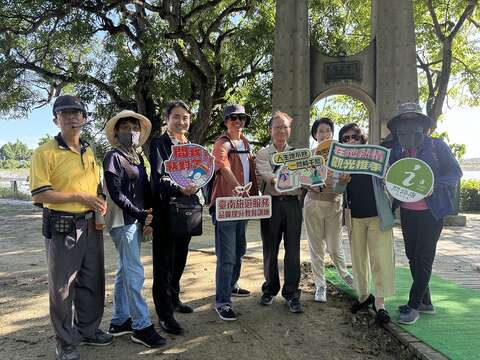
[86, 215]
[62, 222]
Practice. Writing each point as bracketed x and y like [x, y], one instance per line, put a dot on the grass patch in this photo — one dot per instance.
[7, 193]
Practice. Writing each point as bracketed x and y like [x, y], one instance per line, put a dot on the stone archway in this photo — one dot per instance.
[355, 93]
[381, 76]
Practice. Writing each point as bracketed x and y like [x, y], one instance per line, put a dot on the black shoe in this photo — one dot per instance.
[239, 292]
[226, 313]
[266, 300]
[382, 317]
[183, 308]
[357, 305]
[170, 325]
[118, 330]
[295, 305]
[100, 338]
[148, 337]
[66, 352]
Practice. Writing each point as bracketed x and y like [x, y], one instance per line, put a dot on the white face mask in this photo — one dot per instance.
[129, 139]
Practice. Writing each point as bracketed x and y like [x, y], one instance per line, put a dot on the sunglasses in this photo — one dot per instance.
[237, 117]
[346, 138]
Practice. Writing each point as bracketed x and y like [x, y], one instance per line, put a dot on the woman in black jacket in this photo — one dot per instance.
[128, 218]
[169, 252]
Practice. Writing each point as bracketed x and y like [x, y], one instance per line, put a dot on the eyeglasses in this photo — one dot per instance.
[346, 138]
[237, 117]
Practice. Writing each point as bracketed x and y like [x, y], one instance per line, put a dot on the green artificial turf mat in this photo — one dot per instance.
[454, 330]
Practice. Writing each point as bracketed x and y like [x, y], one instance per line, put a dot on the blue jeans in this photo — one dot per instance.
[127, 296]
[230, 246]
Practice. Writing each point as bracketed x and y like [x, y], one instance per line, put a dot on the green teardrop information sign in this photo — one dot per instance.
[409, 180]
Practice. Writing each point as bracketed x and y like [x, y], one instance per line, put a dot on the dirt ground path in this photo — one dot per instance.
[324, 331]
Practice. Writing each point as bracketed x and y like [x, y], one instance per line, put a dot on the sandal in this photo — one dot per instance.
[357, 305]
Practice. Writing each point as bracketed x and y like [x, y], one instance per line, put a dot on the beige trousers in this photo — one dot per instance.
[372, 249]
[323, 220]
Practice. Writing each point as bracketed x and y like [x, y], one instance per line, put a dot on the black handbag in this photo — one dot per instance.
[185, 216]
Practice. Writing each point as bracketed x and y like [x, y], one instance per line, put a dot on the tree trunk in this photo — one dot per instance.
[198, 131]
[434, 110]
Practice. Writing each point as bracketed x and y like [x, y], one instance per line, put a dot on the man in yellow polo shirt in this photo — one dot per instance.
[65, 179]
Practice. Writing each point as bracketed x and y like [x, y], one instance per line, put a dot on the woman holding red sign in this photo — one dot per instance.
[169, 251]
[371, 235]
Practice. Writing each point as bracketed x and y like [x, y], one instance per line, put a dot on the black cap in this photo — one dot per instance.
[68, 102]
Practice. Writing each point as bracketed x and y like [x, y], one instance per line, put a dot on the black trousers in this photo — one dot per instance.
[76, 275]
[286, 222]
[421, 232]
[169, 258]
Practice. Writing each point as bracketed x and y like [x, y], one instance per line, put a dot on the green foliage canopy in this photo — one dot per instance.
[135, 55]
[140, 54]
[15, 155]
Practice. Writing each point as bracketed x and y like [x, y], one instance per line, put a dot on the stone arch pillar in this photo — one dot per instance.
[385, 71]
[291, 63]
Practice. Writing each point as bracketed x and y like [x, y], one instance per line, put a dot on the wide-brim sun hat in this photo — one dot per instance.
[145, 126]
[235, 109]
[410, 111]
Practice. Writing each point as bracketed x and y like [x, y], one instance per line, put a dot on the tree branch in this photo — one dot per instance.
[467, 68]
[107, 24]
[190, 67]
[47, 74]
[200, 8]
[466, 13]
[474, 22]
[436, 26]
[229, 10]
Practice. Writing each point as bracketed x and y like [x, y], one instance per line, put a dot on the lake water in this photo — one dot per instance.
[23, 185]
[471, 174]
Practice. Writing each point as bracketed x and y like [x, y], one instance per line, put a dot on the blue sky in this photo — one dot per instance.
[462, 124]
[29, 130]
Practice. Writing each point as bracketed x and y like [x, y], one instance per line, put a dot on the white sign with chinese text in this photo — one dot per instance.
[243, 208]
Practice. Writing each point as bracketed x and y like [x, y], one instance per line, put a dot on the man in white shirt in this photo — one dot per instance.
[286, 220]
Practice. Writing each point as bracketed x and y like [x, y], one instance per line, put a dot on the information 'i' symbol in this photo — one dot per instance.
[408, 181]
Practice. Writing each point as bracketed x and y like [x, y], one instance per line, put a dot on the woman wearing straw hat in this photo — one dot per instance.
[169, 252]
[128, 196]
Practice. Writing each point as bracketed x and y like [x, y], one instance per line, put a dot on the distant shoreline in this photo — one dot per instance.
[470, 167]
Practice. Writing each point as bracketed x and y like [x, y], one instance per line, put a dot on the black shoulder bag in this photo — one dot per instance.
[185, 216]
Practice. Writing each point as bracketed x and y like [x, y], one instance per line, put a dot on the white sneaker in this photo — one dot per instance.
[321, 294]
